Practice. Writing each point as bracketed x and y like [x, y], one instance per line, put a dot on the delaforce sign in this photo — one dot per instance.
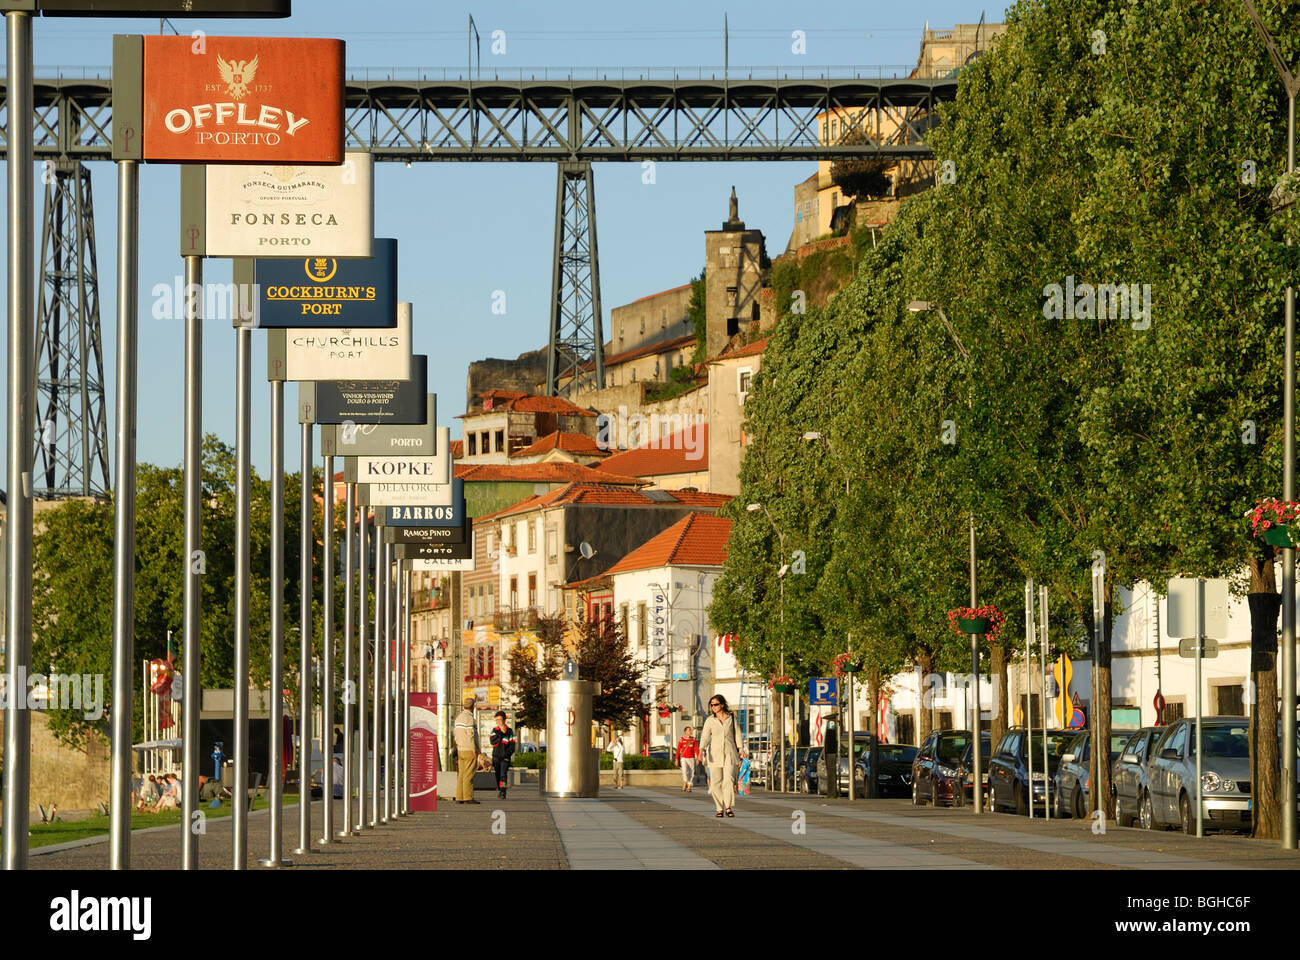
[243, 99]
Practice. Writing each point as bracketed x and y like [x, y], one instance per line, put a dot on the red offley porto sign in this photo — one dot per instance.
[243, 100]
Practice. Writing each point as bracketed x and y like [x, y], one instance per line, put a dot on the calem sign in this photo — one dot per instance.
[243, 100]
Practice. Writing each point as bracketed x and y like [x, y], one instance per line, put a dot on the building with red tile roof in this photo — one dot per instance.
[562, 447]
[679, 460]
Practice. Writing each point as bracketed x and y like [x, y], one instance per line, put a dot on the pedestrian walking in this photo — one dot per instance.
[688, 749]
[722, 751]
[617, 751]
[503, 748]
[467, 751]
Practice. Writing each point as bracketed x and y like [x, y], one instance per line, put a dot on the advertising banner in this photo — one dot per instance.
[435, 469]
[408, 494]
[441, 566]
[383, 439]
[324, 354]
[426, 534]
[322, 291]
[277, 210]
[434, 551]
[422, 752]
[243, 100]
[367, 401]
[424, 515]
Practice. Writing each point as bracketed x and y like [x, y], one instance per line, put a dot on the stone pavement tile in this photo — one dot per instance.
[854, 850]
[600, 837]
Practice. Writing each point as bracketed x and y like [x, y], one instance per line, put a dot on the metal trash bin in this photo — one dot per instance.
[572, 763]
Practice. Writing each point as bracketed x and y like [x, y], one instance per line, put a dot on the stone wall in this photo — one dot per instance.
[526, 374]
[660, 316]
[73, 779]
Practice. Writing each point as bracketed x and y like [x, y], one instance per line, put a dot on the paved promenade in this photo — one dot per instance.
[664, 829]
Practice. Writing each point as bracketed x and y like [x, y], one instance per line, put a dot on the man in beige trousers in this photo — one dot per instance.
[466, 732]
[721, 751]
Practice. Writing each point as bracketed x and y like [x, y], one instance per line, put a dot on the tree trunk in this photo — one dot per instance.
[925, 660]
[1101, 748]
[999, 724]
[1265, 605]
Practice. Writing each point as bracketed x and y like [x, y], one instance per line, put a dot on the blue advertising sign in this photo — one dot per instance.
[328, 292]
[822, 692]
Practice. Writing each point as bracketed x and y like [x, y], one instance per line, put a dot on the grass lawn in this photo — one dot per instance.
[43, 834]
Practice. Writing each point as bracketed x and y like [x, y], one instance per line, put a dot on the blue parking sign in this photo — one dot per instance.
[822, 691]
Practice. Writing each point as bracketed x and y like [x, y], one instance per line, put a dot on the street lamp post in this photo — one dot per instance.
[923, 306]
[780, 576]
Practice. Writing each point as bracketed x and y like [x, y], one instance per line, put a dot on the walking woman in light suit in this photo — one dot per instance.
[721, 751]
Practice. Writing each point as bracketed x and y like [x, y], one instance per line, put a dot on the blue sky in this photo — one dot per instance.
[466, 230]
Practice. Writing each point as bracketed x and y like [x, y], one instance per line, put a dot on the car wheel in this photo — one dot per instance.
[1146, 813]
[1079, 812]
[1022, 804]
[1185, 815]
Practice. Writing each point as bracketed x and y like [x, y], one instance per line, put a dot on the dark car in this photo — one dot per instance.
[805, 772]
[941, 770]
[1009, 777]
[861, 743]
[1073, 781]
[895, 776]
[1128, 774]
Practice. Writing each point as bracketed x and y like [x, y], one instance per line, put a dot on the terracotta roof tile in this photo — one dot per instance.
[671, 456]
[646, 350]
[697, 540]
[525, 403]
[749, 350]
[607, 495]
[457, 449]
[553, 472]
[570, 442]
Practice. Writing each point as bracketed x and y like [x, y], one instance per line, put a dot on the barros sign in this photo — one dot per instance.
[280, 210]
[367, 401]
[243, 100]
[323, 354]
[385, 439]
[412, 494]
[427, 515]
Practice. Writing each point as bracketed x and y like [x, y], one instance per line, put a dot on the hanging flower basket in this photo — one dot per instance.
[783, 684]
[668, 708]
[1276, 522]
[846, 663]
[986, 620]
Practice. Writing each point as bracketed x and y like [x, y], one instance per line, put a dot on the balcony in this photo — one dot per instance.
[522, 618]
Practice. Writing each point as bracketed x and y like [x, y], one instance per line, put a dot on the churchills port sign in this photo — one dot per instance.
[243, 100]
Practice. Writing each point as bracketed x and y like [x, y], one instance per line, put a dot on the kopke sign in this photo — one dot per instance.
[315, 353]
[323, 291]
[243, 100]
[276, 210]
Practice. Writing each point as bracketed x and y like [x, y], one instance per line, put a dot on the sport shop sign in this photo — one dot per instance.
[409, 494]
[242, 100]
[385, 439]
[316, 353]
[280, 210]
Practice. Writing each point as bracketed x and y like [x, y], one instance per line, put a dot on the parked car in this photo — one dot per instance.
[528, 748]
[895, 776]
[1170, 793]
[1073, 781]
[805, 773]
[861, 742]
[661, 752]
[1128, 773]
[1009, 777]
[941, 769]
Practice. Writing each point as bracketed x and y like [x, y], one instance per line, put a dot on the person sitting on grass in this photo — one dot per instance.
[171, 794]
[148, 792]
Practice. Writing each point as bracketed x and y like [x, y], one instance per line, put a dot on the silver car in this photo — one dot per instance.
[1170, 795]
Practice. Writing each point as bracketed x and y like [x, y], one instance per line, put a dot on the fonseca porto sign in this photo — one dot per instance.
[280, 210]
[242, 100]
[324, 354]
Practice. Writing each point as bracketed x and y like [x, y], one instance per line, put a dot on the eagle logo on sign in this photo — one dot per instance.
[237, 74]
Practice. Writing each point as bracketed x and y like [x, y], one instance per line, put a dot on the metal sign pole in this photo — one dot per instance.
[128, 265]
[306, 545]
[193, 583]
[363, 655]
[1200, 645]
[378, 671]
[1043, 636]
[349, 687]
[243, 427]
[406, 702]
[327, 638]
[386, 574]
[1029, 713]
[275, 767]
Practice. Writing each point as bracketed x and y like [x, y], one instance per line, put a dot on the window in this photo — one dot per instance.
[744, 379]
[663, 323]
[551, 555]
[514, 593]
[514, 534]
[1177, 741]
[501, 440]
[945, 719]
[532, 589]
[906, 728]
[490, 606]
[640, 624]
[622, 619]
[731, 296]
[483, 442]
[491, 663]
[1229, 700]
[643, 324]
[1174, 710]
[471, 445]
[532, 537]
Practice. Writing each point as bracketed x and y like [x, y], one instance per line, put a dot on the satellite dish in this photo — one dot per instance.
[586, 550]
